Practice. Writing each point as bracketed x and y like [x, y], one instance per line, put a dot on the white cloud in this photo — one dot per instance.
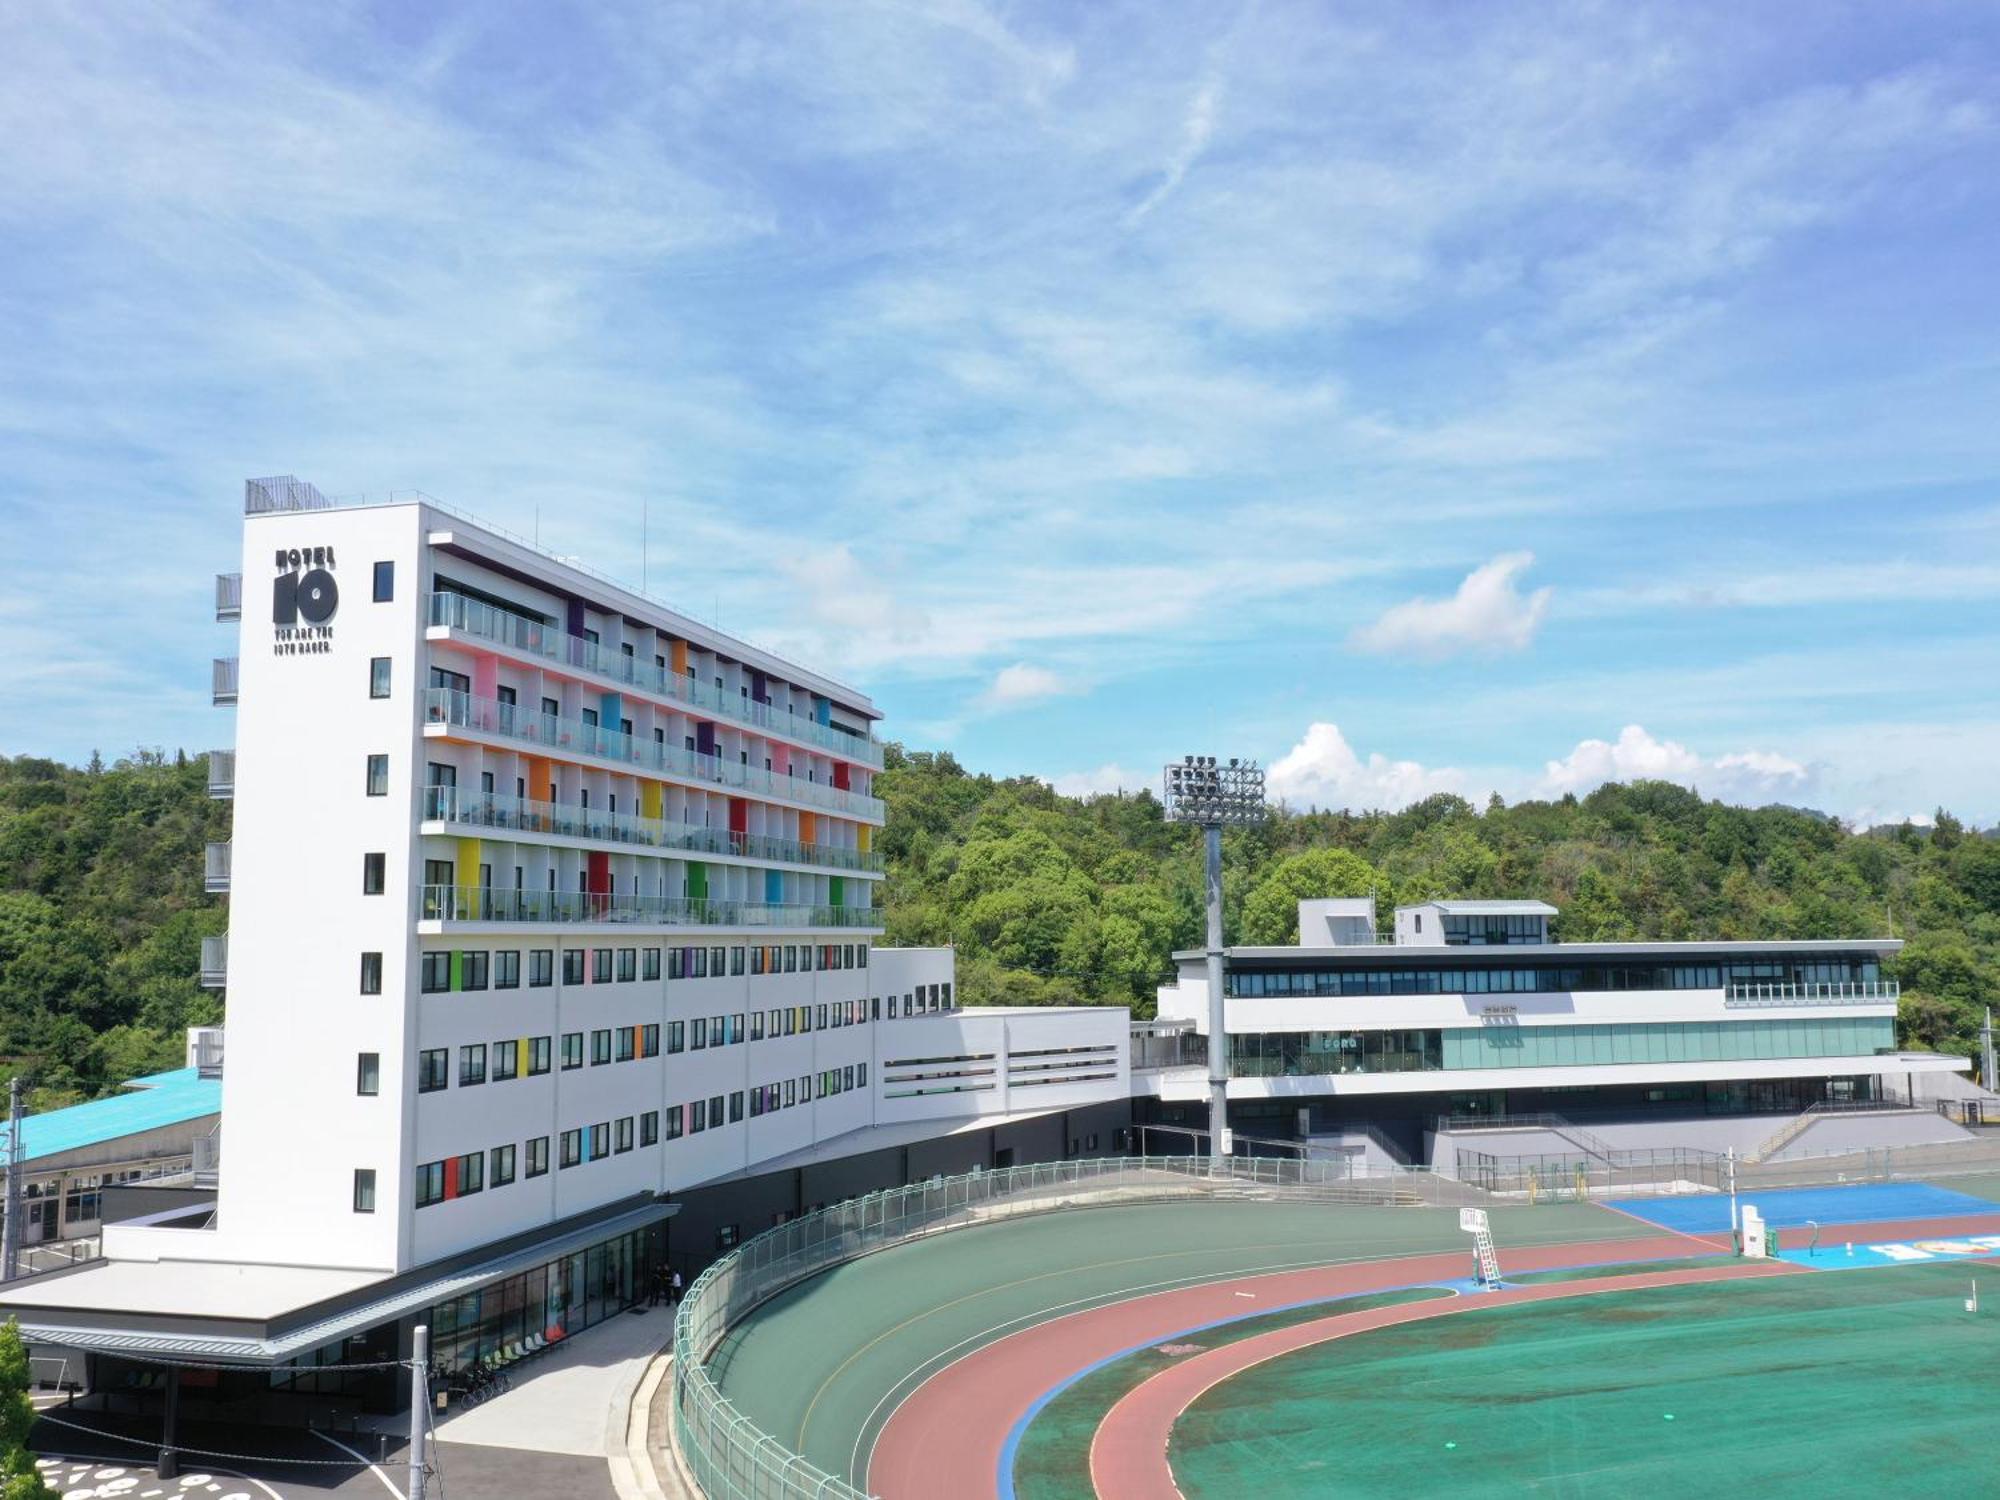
[1024, 683]
[1323, 770]
[1196, 128]
[1745, 776]
[1111, 777]
[1488, 613]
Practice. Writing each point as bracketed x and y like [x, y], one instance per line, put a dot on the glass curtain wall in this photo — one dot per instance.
[551, 1301]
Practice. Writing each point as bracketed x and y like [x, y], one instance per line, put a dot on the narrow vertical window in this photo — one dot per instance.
[373, 868]
[368, 1074]
[371, 973]
[378, 775]
[364, 1190]
[385, 582]
[378, 677]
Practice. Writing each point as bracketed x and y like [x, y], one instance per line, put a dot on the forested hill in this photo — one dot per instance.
[1049, 899]
[101, 918]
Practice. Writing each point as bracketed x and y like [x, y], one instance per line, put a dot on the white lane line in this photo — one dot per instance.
[372, 1469]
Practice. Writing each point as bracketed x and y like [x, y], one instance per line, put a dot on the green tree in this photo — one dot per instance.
[1271, 910]
[19, 1478]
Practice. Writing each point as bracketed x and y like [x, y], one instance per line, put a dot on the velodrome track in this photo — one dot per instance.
[917, 1370]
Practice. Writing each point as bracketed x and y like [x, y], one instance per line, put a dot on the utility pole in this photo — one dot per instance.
[10, 1237]
[420, 1401]
[1200, 791]
[1989, 1070]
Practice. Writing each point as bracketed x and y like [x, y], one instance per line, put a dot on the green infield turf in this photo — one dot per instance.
[821, 1366]
[1828, 1384]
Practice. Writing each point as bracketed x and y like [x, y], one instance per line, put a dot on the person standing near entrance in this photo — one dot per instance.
[674, 1289]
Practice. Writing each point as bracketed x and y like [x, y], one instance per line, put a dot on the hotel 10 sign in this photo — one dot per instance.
[303, 599]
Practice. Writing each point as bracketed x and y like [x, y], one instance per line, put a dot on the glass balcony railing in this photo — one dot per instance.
[222, 679]
[228, 596]
[221, 773]
[1747, 995]
[487, 810]
[570, 736]
[488, 622]
[214, 962]
[216, 874]
[466, 903]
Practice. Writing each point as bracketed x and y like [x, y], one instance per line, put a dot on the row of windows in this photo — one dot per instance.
[1424, 1049]
[475, 969]
[462, 1176]
[531, 1056]
[1546, 979]
[525, 1057]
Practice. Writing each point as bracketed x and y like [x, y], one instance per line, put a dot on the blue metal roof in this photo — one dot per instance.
[149, 1103]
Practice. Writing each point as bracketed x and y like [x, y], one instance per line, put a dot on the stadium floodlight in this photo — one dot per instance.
[1201, 791]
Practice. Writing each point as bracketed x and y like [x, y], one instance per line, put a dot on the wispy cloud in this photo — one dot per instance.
[1024, 683]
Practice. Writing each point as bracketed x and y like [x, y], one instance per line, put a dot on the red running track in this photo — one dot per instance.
[1128, 1456]
[946, 1438]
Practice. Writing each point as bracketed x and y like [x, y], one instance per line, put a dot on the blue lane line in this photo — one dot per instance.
[1004, 1481]
[1794, 1208]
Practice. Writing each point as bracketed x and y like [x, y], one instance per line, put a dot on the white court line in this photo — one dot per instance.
[372, 1468]
[202, 1469]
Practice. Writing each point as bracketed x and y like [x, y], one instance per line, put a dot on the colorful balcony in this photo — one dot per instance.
[464, 903]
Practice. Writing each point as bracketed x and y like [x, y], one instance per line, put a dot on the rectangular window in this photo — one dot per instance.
[436, 973]
[652, 964]
[649, 1128]
[371, 973]
[572, 966]
[506, 1061]
[698, 1037]
[472, 970]
[600, 966]
[572, 1056]
[756, 960]
[674, 1122]
[736, 1106]
[471, 1173]
[538, 1156]
[538, 1055]
[628, 965]
[572, 1148]
[622, 1141]
[861, 1071]
[735, 960]
[600, 1141]
[501, 1165]
[715, 1111]
[627, 1039]
[374, 869]
[736, 1028]
[471, 1065]
[378, 677]
[600, 1048]
[378, 775]
[697, 1117]
[756, 1102]
[541, 967]
[385, 582]
[368, 1074]
[676, 1036]
[847, 1076]
[756, 1026]
[364, 1190]
[507, 969]
[649, 1040]
[791, 1092]
[430, 1184]
[433, 1070]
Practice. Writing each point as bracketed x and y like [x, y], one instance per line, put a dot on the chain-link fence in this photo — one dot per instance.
[733, 1460]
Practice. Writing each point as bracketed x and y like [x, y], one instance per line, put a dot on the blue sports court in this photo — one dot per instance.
[1862, 1203]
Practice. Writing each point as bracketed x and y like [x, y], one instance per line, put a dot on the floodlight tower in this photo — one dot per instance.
[1201, 791]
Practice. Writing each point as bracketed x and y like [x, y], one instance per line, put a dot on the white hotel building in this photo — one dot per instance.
[552, 916]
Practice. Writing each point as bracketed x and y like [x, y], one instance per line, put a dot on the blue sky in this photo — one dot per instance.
[1417, 397]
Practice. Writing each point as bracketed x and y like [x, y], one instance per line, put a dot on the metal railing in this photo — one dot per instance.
[467, 903]
[214, 962]
[215, 874]
[228, 596]
[733, 1460]
[281, 492]
[1594, 1145]
[1886, 1101]
[1749, 995]
[222, 680]
[453, 611]
[206, 1162]
[578, 737]
[222, 773]
[446, 804]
